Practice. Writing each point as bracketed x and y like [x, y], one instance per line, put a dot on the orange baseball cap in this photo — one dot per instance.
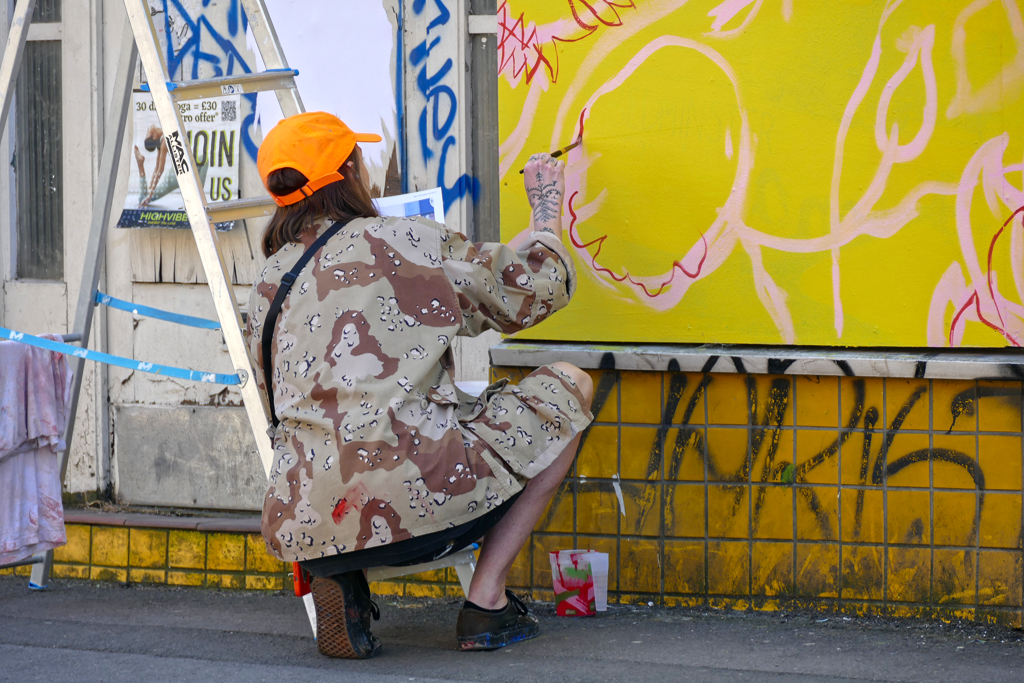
[316, 144]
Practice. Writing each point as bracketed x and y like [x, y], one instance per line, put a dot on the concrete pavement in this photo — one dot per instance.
[92, 632]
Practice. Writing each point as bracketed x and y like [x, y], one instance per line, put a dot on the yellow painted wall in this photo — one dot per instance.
[770, 171]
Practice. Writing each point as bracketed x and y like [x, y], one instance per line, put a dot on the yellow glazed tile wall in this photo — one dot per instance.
[174, 557]
[864, 495]
[224, 560]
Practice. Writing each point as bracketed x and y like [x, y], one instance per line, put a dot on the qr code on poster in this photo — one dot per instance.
[228, 111]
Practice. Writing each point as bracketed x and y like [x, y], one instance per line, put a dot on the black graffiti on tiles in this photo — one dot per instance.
[765, 464]
[963, 403]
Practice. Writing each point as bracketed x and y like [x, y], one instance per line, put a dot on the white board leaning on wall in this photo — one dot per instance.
[343, 51]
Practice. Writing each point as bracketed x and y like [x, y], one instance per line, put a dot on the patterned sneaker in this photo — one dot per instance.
[480, 629]
[343, 611]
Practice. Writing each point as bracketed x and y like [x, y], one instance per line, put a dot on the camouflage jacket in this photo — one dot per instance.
[372, 445]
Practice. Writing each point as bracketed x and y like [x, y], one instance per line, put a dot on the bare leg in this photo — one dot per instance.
[504, 541]
[140, 160]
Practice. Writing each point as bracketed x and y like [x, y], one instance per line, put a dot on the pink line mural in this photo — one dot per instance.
[924, 148]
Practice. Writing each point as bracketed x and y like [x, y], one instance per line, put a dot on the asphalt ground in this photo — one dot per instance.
[80, 631]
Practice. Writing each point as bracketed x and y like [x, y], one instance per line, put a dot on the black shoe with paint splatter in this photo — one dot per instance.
[483, 629]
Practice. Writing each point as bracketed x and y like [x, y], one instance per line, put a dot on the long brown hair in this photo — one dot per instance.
[341, 200]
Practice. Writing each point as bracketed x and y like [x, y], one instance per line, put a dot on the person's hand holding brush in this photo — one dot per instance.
[545, 188]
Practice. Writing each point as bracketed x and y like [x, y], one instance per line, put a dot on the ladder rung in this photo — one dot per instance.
[38, 558]
[237, 209]
[242, 84]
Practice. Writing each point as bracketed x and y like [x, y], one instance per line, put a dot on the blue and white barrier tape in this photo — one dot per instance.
[150, 312]
[131, 364]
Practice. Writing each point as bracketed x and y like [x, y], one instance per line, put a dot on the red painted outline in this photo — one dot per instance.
[579, 22]
[525, 43]
[976, 300]
[991, 249]
[516, 32]
[977, 305]
[579, 136]
[597, 15]
[621, 278]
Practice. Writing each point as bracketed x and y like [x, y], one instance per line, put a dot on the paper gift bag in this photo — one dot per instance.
[574, 574]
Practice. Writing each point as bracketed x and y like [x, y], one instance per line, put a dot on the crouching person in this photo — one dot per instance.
[379, 459]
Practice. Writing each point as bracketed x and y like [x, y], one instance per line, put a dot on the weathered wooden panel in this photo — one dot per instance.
[170, 256]
[157, 341]
[187, 456]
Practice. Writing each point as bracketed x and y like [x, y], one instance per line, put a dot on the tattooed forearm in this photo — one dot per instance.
[546, 200]
[545, 188]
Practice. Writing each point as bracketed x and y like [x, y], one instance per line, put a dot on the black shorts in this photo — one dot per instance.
[413, 551]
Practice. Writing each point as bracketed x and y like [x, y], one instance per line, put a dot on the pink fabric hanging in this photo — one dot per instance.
[35, 388]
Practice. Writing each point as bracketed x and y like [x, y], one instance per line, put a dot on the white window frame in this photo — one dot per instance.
[50, 31]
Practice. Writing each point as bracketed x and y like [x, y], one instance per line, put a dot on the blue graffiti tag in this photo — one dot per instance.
[228, 62]
[433, 90]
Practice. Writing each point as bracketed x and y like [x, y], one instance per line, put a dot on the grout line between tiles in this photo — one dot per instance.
[662, 497]
[839, 491]
[752, 421]
[885, 493]
[618, 471]
[796, 532]
[706, 455]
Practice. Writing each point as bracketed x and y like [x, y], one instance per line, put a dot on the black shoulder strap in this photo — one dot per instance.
[270, 322]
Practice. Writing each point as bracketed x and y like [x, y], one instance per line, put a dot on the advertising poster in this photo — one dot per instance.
[212, 131]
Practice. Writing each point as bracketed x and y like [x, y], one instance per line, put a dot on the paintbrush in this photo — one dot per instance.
[555, 155]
